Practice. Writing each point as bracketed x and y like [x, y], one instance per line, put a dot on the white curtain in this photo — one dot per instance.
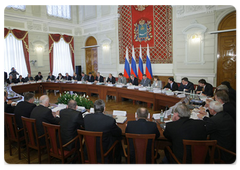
[62, 11]
[62, 62]
[14, 55]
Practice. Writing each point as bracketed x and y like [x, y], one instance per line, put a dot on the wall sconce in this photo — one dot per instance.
[195, 38]
[33, 62]
[39, 48]
[105, 46]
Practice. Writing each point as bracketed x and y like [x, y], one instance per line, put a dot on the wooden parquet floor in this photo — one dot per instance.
[110, 106]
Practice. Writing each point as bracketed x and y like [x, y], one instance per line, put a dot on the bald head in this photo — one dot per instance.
[44, 100]
[142, 113]
[72, 104]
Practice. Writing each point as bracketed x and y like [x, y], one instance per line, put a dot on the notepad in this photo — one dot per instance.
[119, 113]
[156, 116]
[121, 119]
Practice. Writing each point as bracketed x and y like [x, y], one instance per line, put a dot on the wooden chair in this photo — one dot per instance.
[31, 137]
[54, 144]
[219, 149]
[90, 140]
[140, 143]
[13, 133]
[199, 151]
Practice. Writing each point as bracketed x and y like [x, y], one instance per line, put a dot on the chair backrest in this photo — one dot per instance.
[30, 131]
[199, 150]
[90, 139]
[11, 126]
[53, 139]
[140, 143]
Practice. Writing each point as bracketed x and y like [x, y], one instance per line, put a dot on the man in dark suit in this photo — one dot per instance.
[221, 127]
[226, 89]
[10, 80]
[14, 73]
[133, 80]
[83, 77]
[90, 77]
[172, 85]
[4, 76]
[231, 91]
[51, 77]
[24, 108]
[186, 85]
[70, 121]
[111, 79]
[99, 78]
[39, 76]
[99, 122]
[204, 88]
[75, 77]
[142, 126]
[145, 81]
[67, 77]
[29, 78]
[43, 114]
[8, 106]
[20, 79]
[183, 128]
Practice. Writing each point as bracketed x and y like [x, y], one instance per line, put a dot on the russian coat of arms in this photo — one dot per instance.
[142, 31]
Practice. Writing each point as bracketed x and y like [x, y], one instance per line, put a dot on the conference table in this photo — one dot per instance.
[158, 100]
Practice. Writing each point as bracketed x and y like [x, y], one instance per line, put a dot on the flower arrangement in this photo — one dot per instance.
[81, 100]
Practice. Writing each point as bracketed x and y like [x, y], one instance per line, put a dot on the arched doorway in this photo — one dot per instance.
[226, 62]
[91, 57]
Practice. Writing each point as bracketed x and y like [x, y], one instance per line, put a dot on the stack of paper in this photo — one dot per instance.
[119, 113]
[169, 93]
[89, 83]
[59, 107]
[156, 116]
[121, 119]
[181, 95]
[142, 89]
[91, 110]
[79, 82]
[130, 87]
[110, 85]
[118, 85]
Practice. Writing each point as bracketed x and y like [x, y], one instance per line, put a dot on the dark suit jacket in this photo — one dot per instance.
[8, 108]
[113, 80]
[23, 109]
[230, 109]
[5, 76]
[189, 86]
[43, 114]
[100, 79]
[98, 122]
[22, 80]
[70, 121]
[60, 78]
[38, 78]
[28, 79]
[141, 126]
[76, 78]
[84, 78]
[184, 128]
[221, 127]
[134, 82]
[13, 81]
[207, 91]
[232, 96]
[174, 86]
[68, 78]
[90, 79]
[51, 78]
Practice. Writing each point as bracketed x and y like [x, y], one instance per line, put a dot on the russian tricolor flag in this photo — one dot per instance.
[140, 65]
[126, 67]
[148, 65]
[133, 64]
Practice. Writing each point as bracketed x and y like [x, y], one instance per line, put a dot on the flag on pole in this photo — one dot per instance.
[133, 64]
[140, 65]
[126, 67]
[148, 65]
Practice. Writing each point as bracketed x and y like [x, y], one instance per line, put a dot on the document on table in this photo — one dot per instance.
[156, 116]
[119, 113]
[121, 119]
[59, 107]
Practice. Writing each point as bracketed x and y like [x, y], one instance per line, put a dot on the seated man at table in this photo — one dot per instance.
[83, 77]
[39, 76]
[99, 78]
[231, 91]
[186, 85]
[24, 108]
[145, 81]
[142, 126]
[111, 79]
[70, 121]
[29, 78]
[9, 107]
[172, 85]
[75, 77]
[10, 80]
[98, 122]
[67, 77]
[90, 77]
[133, 80]
[122, 79]
[51, 77]
[204, 88]
[182, 127]
[20, 79]
[221, 127]
[43, 114]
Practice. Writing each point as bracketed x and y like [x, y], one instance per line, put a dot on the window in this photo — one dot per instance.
[62, 11]
[16, 7]
[14, 55]
[62, 62]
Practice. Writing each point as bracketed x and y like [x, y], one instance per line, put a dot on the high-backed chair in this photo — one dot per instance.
[54, 144]
[222, 149]
[90, 139]
[31, 137]
[13, 133]
[140, 144]
[199, 151]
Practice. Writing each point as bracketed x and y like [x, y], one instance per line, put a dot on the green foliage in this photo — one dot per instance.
[81, 100]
